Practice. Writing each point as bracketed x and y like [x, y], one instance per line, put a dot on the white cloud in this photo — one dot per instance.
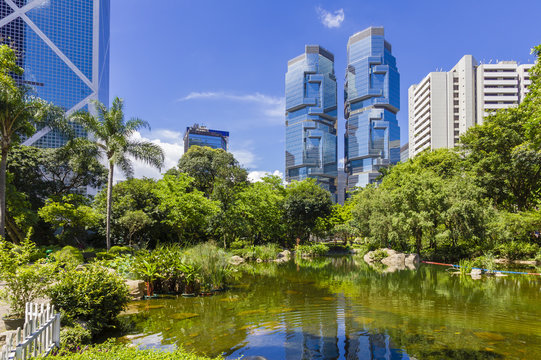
[173, 148]
[255, 176]
[245, 157]
[271, 106]
[331, 20]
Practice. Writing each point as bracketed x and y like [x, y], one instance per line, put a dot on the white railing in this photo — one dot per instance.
[39, 335]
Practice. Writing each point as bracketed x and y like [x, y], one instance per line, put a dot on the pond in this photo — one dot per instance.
[340, 308]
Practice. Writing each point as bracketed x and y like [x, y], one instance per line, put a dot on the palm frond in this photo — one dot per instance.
[124, 164]
[147, 152]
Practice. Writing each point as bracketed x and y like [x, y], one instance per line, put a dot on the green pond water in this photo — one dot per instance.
[340, 308]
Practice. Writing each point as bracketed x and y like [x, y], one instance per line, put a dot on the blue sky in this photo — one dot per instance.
[222, 63]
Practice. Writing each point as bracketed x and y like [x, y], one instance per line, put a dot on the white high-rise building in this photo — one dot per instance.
[445, 104]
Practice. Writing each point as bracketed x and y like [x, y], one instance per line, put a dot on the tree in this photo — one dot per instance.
[304, 203]
[133, 195]
[187, 209]
[20, 112]
[212, 170]
[71, 215]
[134, 222]
[258, 211]
[220, 177]
[113, 137]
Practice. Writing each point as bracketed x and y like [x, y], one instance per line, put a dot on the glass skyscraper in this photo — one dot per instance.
[371, 102]
[311, 118]
[63, 46]
[201, 136]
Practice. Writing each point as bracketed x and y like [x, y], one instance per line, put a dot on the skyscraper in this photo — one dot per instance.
[311, 117]
[63, 46]
[371, 102]
[201, 136]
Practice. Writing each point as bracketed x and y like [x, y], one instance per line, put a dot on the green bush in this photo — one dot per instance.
[486, 261]
[23, 282]
[109, 351]
[211, 263]
[69, 255]
[267, 252]
[93, 295]
[120, 250]
[466, 266]
[514, 250]
[312, 250]
[72, 337]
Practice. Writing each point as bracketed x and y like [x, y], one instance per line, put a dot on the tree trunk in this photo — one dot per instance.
[3, 165]
[109, 201]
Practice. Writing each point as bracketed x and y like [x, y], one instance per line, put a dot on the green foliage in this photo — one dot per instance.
[24, 282]
[109, 350]
[264, 252]
[517, 250]
[378, 255]
[187, 210]
[93, 295]
[465, 266]
[71, 215]
[68, 256]
[304, 203]
[212, 264]
[72, 337]
[258, 212]
[486, 261]
[312, 250]
[131, 199]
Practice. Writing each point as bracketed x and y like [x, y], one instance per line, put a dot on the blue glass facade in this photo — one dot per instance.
[311, 147]
[371, 102]
[201, 136]
[63, 45]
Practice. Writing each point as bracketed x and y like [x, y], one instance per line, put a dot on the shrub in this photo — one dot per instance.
[312, 250]
[267, 252]
[466, 266]
[110, 351]
[93, 295]
[212, 264]
[486, 261]
[517, 250]
[24, 282]
[69, 255]
[72, 337]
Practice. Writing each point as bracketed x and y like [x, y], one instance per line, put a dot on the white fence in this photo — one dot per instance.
[40, 334]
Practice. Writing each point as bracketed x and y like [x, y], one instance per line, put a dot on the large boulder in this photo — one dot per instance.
[236, 260]
[395, 260]
[411, 260]
[137, 289]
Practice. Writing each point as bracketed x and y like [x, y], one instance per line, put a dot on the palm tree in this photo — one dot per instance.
[20, 112]
[113, 137]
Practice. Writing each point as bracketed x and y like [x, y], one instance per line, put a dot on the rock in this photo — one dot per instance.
[137, 289]
[395, 260]
[236, 260]
[367, 258]
[284, 254]
[281, 260]
[499, 274]
[80, 268]
[411, 260]
[259, 260]
[476, 272]
[476, 276]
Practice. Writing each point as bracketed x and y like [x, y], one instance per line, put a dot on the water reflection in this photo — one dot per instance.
[340, 308]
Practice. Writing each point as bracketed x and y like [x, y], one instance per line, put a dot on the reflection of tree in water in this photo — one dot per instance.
[340, 308]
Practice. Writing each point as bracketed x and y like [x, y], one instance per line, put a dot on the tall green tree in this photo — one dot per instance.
[304, 203]
[188, 211]
[20, 113]
[112, 135]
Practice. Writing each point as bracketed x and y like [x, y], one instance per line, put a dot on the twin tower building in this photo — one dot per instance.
[371, 102]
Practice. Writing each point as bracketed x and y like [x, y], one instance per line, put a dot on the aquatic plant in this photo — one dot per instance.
[212, 263]
[312, 250]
